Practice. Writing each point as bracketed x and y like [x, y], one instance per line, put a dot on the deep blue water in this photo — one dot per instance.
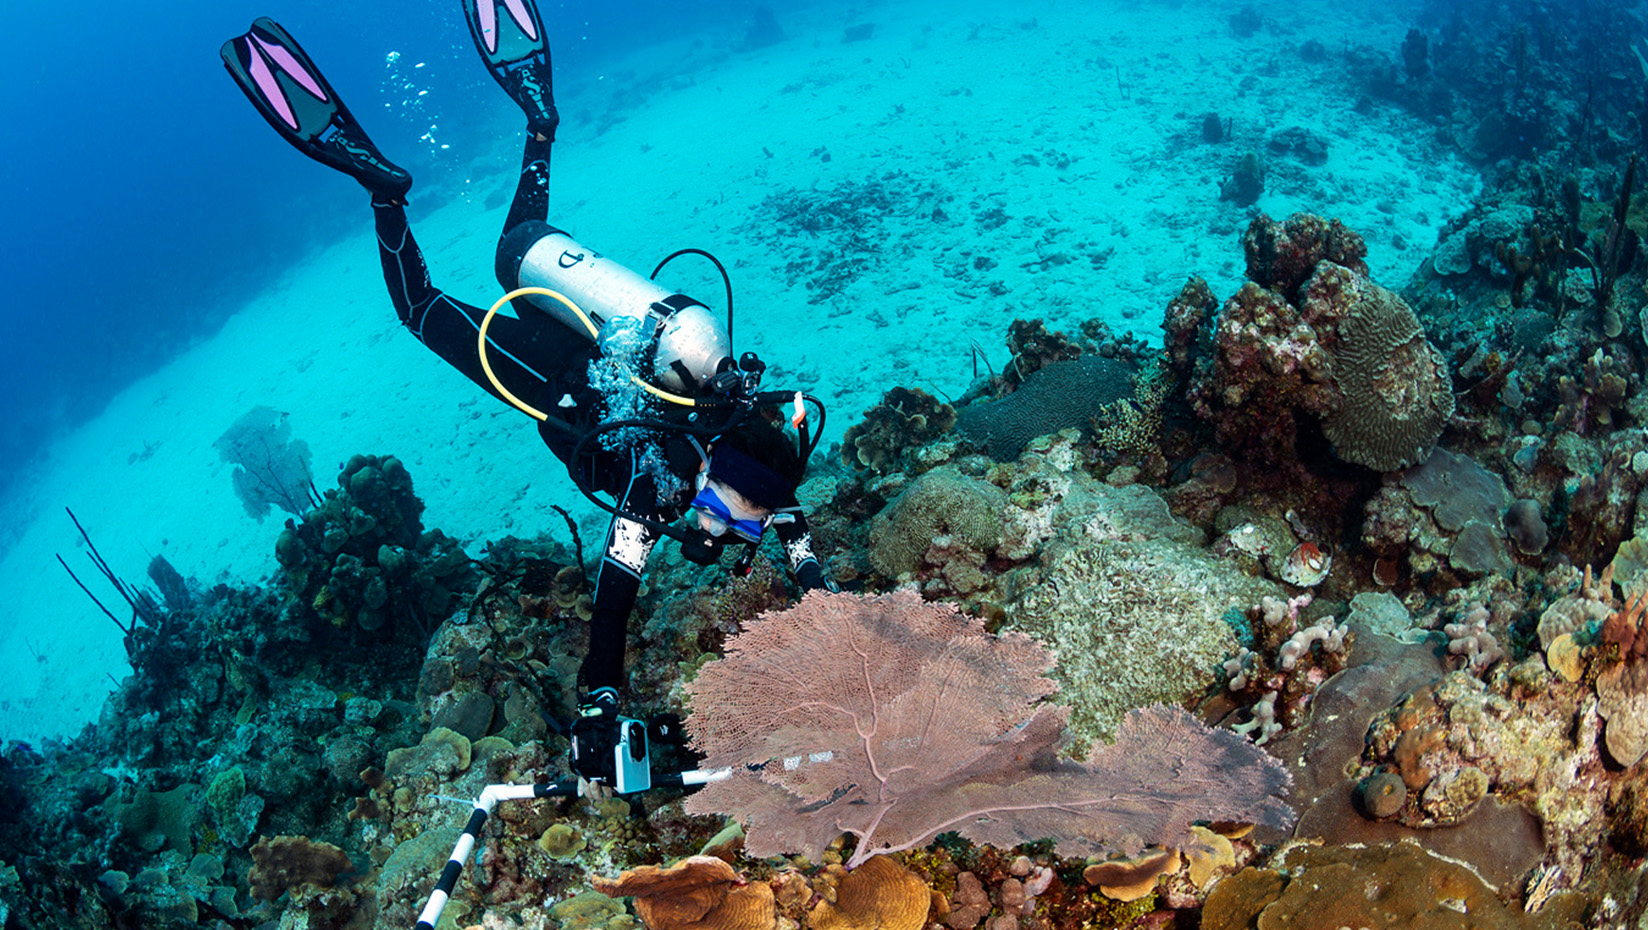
[145, 199]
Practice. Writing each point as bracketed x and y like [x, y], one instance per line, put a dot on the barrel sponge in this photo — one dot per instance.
[943, 502]
[1395, 394]
[1056, 396]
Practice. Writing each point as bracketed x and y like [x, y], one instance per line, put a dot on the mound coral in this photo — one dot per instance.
[1060, 394]
[282, 863]
[1282, 256]
[1310, 334]
[943, 520]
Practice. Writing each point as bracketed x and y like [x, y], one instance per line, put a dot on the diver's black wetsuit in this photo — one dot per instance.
[546, 364]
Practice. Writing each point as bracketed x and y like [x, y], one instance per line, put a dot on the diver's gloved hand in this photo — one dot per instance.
[595, 791]
[595, 737]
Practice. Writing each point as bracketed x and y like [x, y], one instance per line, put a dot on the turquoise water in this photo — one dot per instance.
[145, 202]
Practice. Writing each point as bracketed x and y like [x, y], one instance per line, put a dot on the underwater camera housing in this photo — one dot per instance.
[699, 547]
[616, 753]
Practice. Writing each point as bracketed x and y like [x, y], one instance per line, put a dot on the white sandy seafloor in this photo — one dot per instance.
[1081, 122]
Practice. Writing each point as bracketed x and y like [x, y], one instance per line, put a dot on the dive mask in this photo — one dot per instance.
[719, 516]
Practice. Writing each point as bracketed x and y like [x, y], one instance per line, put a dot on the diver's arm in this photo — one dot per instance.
[798, 547]
[616, 586]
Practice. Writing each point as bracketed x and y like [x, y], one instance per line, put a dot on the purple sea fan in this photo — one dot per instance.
[895, 720]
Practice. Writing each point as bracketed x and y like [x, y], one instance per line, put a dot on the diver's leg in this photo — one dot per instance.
[525, 224]
[532, 190]
[525, 354]
[618, 581]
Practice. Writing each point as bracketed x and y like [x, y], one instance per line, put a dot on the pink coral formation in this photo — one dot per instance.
[896, 720]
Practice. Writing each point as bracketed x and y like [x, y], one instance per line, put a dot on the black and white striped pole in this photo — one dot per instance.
[491, 795]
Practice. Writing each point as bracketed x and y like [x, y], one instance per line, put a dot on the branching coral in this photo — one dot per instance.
[1610, 253]
[1134, 425]
[1469, 637]
[1588, 403]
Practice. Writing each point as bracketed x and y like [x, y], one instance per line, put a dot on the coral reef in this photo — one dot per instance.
[362, 558]
[1310, 334]
[905, 420]
[1401, 641]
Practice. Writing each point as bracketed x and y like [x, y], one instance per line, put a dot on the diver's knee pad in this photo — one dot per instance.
[691, 344]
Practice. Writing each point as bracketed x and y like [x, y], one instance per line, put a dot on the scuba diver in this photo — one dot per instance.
[634, 386]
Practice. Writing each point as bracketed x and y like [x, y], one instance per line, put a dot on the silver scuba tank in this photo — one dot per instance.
[692, 343]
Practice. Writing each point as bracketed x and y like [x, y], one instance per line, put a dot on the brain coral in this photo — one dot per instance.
[943, 503]
[1060, 394]
[1395, 394]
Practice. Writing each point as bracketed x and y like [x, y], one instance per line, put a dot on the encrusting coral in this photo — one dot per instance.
[1385, 887]
[697, 893]
[878, 895]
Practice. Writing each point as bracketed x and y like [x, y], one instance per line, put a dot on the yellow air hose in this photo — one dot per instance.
[594, 332]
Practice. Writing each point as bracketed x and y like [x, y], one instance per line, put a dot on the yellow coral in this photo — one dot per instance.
[1134, 424]
[562, 841]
